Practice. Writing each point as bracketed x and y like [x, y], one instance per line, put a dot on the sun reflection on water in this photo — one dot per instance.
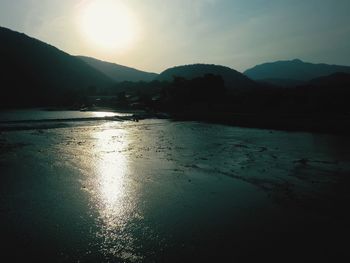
[114, 192]
[112, 169]
[101, 114]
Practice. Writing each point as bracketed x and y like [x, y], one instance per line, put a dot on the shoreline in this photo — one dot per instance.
[337, 124]
[331, 124]
[292, 123]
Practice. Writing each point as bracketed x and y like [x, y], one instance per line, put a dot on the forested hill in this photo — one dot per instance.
[232, 78]
[35, 73]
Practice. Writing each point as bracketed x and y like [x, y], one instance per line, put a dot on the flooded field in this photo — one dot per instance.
[163, 191]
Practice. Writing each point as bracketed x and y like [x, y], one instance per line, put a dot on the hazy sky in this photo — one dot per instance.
[235, 33]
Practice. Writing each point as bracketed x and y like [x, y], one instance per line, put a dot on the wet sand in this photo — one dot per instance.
[163, 191]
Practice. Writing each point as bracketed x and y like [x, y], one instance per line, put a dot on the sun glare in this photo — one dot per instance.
[108, 24]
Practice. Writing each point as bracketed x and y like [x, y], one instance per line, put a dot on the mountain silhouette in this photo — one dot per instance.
[292, 71]
[117, 72]
[232, 78]
[35, 73]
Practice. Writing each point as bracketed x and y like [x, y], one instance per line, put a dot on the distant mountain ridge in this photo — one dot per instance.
[294, 70]
[232, 78]
[35, 73]
[118, 72]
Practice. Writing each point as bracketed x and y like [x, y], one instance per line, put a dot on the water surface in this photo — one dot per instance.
[38, 114]
[162, 191]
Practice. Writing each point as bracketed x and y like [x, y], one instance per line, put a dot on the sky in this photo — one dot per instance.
[166, 33]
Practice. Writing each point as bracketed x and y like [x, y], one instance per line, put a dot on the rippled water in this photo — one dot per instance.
[162, 191]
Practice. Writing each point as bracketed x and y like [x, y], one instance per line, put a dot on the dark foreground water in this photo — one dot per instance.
[162, 191]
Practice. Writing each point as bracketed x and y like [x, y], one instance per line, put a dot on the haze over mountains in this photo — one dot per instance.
[117, 72]
[292, 72]
[35, 73]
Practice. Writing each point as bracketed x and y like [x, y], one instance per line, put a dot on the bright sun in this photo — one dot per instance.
[108, 24]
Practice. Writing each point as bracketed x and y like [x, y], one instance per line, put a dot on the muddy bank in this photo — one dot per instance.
[332, 124]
